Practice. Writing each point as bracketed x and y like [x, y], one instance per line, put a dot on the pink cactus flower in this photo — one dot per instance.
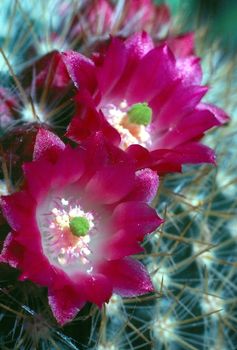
[145, 101]
[80, 215]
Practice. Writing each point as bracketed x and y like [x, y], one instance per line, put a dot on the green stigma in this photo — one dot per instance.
[140, 113]
[79, 226]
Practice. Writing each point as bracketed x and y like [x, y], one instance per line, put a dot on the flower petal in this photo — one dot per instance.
[190, 70]
[184, 100]
[80, 69]
[188, 153]
[122, 244]
[69, 167]
[38, 181]
[219, 114]
[145, 187]
[129, 277]
[194, 153]
[182, 45]
[140, 155]
[65, 303]
[97, 288]
[138, 45]
[111, 184]
[12, 252]
[113, 65]
[87, 120]
[158, 65]
[47, 145]
[50, 68]
[190, 127]
[18, 209]
[138, 219]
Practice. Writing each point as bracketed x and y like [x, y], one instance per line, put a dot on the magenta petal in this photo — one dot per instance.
[158, 65]
[36, 266]
[190, 127]
[190, 70]
[111, 134]
[129, 277]
[138, 219]
[111, 184]
[113, 65]
[12, 252]
[47, 145]
[122, 244]
[18, 209]
[183, 45]
[145, 187]
[28, 259]
[38, 181]
[87, 120]
[96, 153]
[97, 288]
[99, 153]
[166, 166]
[69, 167]
[140, 155]
[45, 66]
[65, 303]
[80, 69]
[191, 153]
[138, 45]
[219, 114]
[184, 100]
[67, 300]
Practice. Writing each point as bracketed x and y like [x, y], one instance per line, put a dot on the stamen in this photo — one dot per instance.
[131, 123]
[67, 230]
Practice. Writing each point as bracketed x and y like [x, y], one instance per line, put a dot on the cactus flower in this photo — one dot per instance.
[80, 215]
[134, 77]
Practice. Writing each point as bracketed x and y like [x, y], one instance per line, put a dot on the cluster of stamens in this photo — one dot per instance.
[66, 231]
[131, 130]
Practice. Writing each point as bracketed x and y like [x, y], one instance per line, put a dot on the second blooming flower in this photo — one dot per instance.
[144, 100]
[79, 216]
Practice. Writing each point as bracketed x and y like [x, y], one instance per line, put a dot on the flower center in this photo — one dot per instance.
[79, 226]
[140, 114]
[70, 233]
[131, 122]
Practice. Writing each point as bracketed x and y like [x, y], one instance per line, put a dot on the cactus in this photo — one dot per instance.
[191, 258]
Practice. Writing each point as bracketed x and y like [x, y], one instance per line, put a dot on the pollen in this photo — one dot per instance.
[67, 229]
[132, 122]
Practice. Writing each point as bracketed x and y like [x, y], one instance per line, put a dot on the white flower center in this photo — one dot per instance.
[131, 133]
[72, 253]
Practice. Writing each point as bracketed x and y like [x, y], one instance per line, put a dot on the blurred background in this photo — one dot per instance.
[217, 17]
